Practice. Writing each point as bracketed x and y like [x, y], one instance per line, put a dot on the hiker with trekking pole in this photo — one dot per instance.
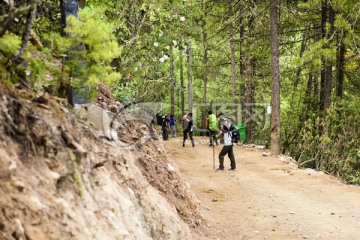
[228, 132]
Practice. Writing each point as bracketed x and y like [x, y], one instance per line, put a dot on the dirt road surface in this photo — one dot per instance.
[267, 197]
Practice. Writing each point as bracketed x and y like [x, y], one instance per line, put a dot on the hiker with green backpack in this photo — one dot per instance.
[212, 126]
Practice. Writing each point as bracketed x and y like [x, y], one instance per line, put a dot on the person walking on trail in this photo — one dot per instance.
[188, 129]
[172, 125]
[212, 126]
[227, 133]
[165, 126]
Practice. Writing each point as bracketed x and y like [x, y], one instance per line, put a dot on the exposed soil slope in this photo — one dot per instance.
[63, 178]
[267, 197]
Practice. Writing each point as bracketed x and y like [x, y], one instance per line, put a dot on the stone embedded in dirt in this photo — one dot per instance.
[100, 119]
[260, 147]
[170, 167]
[6, 165]
[34, 233]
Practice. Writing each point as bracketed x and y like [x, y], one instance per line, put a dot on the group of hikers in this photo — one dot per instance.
[167, 123]
[225, 129]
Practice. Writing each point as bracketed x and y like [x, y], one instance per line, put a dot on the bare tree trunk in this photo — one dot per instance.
[182, 87]
[302, 50]
[308, 100]
[206, 68]
[249, 85]
[172, 76]
[189, 75]
[68, 8]
[75, 94]
[316, 94]
[242, 68]
[329, 65]
[323, 72]
[27, 32]
[275, 96]
[232, 52]
[6, 23]
[341, 73]
[249, 98]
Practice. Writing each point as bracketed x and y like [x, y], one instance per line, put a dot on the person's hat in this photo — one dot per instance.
[224, 118]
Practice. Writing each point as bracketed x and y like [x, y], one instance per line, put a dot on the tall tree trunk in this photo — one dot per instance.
[75, 94]
[308, 98]
[68, 8]
[249, 98]
[323, 70]
[250, 72]
[329, 64]
[182, 87]
[172, 85]
[205, 64]
[189, 75]
[316, 94]
[275, 96]
[242, 90]
[302, 50]
[341, 72]
[232, 53]
[6, 23]
[27, 31]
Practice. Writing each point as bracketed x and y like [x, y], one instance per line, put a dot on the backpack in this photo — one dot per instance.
[235, 135]
[213, 125]
[186, 124]
[165, 121]
[159, 119]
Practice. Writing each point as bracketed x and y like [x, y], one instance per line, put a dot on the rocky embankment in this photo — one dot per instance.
[90, 172]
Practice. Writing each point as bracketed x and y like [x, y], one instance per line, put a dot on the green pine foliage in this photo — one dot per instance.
[100, 47]
[9, 44]
[331, 144]
[123, 44]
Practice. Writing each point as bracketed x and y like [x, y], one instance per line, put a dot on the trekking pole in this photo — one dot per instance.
[213, 151]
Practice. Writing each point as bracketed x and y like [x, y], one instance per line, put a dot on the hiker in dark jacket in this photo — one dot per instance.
[165, 126]
[188, 129]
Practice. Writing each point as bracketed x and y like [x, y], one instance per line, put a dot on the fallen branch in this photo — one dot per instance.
[307, 161]
[35, 39]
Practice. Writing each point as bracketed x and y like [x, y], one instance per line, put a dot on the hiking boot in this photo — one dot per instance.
[183, 144]
[232, 169]
[193, 145]
[210, 144]
[219, 170]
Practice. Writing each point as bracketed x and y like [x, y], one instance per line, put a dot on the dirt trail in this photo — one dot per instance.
[267, 197]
